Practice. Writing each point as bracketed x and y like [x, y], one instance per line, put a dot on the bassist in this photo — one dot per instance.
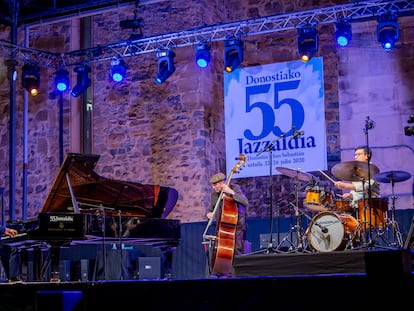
[233, 193]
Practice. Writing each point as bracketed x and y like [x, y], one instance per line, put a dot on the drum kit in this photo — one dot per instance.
[338, 223]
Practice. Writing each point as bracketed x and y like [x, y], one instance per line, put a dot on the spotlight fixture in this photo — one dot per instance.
[202, 55]
[165, 65]
[233, 54]
[82, 80]
[62, 80]
[131, 23]
[343, 32]
[136, 23]
[118, 70]
[388, 31]
[307, 42]
[31, 79]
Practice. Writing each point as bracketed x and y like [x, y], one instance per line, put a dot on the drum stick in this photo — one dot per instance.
[333, 181]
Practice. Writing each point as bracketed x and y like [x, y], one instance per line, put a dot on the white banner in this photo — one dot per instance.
[264, 107]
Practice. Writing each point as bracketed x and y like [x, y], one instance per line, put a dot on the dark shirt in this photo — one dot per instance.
[241, 201]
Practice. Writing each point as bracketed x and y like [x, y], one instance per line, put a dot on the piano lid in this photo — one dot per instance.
[89, 191]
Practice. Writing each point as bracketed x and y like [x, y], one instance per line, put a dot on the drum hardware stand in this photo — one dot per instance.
[299, 247]
[397, 239]
[393, 177]
[351, 237]
[366, 225]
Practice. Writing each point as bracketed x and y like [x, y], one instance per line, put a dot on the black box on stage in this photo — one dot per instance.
[149, 267]
[394, 264]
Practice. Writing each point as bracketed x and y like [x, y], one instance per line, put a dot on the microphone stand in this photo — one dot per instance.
[269, 148]
[369, 124]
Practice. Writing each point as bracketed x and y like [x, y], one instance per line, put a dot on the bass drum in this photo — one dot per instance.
[330, 231]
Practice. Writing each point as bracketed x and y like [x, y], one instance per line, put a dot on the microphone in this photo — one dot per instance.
[297, 134]
[369, 124]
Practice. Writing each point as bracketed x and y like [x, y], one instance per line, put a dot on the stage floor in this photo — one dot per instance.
[366, 279]
[372, 263]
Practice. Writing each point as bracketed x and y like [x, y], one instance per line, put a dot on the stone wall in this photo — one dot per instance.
[173, 134]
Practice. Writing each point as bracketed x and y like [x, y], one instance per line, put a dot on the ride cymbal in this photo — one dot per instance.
[392, 176]
[354, 170]
[303, 176]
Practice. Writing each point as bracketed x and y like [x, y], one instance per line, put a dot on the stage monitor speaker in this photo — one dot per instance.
[283, 240]
[409, 241]
[64, 270]
[149, 267]
[84, 270]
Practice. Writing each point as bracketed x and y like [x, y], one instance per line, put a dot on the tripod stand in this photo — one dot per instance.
[392, 177]
[297, 228]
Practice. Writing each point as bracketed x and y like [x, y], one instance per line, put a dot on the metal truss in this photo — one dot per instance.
[353, 12]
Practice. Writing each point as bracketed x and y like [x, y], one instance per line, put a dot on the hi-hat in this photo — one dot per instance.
[354, 170]
[296, 173]
[392, 176]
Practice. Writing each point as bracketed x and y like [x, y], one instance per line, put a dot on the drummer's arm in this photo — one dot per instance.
[343, 185]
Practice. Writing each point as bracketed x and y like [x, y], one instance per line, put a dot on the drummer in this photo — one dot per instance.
[359, 190]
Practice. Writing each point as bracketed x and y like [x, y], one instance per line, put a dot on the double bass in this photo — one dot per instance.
[220, 247]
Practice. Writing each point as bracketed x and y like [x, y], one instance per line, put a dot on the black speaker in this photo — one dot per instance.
[388, 264]
[149, 267]
[409, 241]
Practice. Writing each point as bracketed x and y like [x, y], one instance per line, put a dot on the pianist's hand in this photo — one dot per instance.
[10, 232]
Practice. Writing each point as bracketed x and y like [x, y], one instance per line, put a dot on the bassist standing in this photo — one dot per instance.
[232, 197]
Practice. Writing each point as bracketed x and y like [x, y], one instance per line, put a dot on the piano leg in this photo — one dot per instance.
[54, 261]
[167, 253]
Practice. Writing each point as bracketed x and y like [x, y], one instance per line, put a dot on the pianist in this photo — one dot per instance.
[10, 257]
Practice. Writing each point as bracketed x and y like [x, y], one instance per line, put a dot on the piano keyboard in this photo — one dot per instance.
[17, 236]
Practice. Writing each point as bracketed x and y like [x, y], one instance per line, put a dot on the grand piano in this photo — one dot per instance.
[78, 189]
[83, 207]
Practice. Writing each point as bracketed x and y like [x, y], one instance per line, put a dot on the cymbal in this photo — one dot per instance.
[296, 173]
[392, 176]
[354, 170]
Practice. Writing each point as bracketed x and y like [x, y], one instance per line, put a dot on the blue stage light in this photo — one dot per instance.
[165, 66]
[388, 31]
[62, 80]
[202, 55]
[343, 33]
[82, 80]
[118, 70]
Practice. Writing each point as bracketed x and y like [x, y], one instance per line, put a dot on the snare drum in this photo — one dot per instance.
[376, 215]
[317, 199]
[331, 231]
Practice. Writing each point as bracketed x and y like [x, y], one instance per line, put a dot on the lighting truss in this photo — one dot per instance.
[358, 11]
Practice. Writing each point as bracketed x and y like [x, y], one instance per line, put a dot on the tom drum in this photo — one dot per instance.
[318, 199]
